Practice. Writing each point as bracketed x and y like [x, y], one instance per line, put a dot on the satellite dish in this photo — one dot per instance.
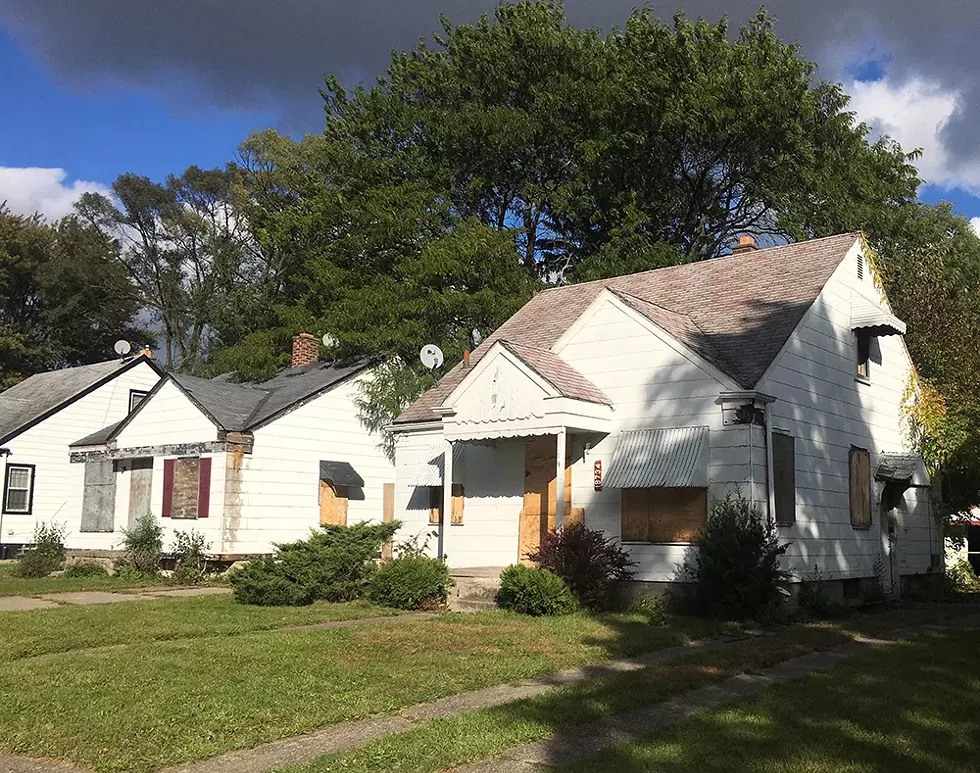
[431, 356]
[122, 347]
[477, 337]
[328, 340]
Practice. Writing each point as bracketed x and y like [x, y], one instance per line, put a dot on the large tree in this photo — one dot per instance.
[65, 297]
[583, 144]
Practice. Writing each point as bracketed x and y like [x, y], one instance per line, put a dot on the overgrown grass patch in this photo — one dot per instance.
[906, 708]
[23, 586]
[158, 703]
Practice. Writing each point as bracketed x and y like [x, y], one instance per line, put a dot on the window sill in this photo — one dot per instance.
[863, 380]
[17, 512]
[861, 528]
[785, 523]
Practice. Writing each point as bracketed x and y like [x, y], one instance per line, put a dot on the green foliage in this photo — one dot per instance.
[334, 564]
[46, 554]
[736, 566]
[143, 546]
[652, 609]
[813, 599]
[588, 562]
[86, 569]
[961, 578]
[411, 582]
[535, 592]
[190, 551]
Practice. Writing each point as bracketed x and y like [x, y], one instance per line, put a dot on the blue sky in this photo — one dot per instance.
[62, 132]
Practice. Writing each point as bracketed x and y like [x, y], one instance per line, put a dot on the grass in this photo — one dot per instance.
[152, 703]
[910, 708]
[35, 586]
[69, 628]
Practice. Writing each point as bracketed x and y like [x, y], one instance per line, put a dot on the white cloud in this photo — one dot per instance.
[39, 189]
[975, 222]
[914, 113]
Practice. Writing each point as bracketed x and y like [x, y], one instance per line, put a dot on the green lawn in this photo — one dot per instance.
[152, 703]
[909, 708]
[17, 586]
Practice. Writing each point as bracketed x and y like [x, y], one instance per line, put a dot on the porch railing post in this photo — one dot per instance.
[560, 478]
[447, 499]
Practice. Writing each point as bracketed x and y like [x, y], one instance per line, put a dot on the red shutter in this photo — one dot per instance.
[168, 487]
[204, 488]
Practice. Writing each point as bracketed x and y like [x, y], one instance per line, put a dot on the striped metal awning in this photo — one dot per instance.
[872, 318]
[649, 458]
[430, 472]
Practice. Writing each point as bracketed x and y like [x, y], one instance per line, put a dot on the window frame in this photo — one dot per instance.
[143, 393]
[6, 488]
[862, 352]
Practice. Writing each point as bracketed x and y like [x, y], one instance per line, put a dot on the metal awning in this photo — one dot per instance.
[896, 467]
[430, 471]
[650, 458]
[340, 474]
[872, 318]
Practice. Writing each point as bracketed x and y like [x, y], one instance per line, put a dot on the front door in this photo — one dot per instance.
[540, 481]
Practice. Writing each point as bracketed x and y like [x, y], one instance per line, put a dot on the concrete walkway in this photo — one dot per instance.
[86, 597]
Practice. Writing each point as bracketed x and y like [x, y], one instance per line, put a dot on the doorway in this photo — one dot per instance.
[538, 514]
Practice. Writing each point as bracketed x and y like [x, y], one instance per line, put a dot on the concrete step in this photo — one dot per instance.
[471, 604]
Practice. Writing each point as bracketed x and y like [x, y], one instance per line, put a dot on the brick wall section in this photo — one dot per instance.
[306, 350]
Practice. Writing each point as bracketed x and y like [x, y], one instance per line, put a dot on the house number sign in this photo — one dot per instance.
[597, 475]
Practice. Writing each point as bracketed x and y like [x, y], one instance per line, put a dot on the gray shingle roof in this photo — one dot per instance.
[98, 437]
[246, 406]
[736, 311]
[37, 397]
[558, 373]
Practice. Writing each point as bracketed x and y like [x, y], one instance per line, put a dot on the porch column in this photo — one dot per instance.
[560, 478]
[447, 498]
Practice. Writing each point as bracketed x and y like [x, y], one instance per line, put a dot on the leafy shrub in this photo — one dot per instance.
[417, 545]
[588, 562]
[961, 578]
[736, 567]
[46, 554]
[411, 582]
[813, 599]
[143, 545]
[190, 550]
[334, 564]
[88, 569]
[535, 592]
[652, 609]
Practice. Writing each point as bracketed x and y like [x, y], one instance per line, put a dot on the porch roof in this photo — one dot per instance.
[430, 472]
[649, 458]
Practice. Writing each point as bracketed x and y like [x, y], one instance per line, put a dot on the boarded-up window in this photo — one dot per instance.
[333, 504]
[186, 487]
[663, 514]
[860, 488]
[435, 504]
[99, 496]
[784, 477]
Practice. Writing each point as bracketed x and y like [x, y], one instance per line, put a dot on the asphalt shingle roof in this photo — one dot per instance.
[558, 373]
[43, 393]
[736, 311]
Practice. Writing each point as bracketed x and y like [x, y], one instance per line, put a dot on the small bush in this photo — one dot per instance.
[143, 545]
[46, 555]
[88, 569]
[736, 567]
[411, 582]
[334, 564]
[190, 551]
[263, 584]
[652, 609]
[962, 578]
[535, 592]
[813, 599]
[588, 562]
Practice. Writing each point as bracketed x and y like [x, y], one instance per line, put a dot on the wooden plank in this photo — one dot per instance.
[860, 488]
[576, 515]
[204, 488]
[539, 474]
[784, 477]
[635, 515]
[665, 514]
[387, 516]
[140, 489]
[435, 505]
[99, 497]
[333, 504]
[168, 487]
[456, 516]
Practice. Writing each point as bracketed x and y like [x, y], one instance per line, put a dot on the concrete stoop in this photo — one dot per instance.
[475, 588]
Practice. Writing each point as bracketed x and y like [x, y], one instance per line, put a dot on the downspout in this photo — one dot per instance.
[770, 484]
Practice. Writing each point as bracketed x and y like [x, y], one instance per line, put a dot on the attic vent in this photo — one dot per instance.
[860, 266]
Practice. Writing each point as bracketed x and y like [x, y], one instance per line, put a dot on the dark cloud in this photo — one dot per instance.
[271, 54]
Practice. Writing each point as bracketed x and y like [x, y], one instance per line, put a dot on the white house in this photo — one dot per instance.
[246, 465]
[778, 372]
[39, 419]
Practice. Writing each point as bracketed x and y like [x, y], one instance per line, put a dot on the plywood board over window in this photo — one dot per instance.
[784, 477]
[663, 514]
[333, 504]
[860, 488]
[98, 496]
[435, 504]
[539, 516]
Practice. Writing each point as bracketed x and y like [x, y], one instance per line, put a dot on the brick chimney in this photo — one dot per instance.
[306, 350]
[745, 244]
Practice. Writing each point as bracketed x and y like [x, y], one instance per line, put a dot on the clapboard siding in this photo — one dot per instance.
[279, 489]
[820, 402]
[58, 484]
